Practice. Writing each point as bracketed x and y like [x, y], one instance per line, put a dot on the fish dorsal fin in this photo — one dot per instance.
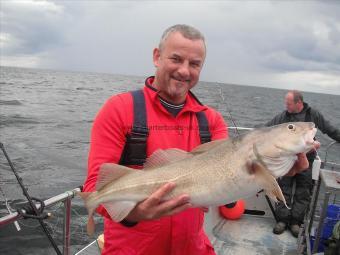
[207, 146]
[109, 172]
[118, 210]
[265, 179]
[163, 157]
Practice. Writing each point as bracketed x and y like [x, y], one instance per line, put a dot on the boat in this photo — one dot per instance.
[251, 234]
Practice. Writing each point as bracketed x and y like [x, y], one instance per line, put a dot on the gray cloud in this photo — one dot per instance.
[269, 43]
[31, 27]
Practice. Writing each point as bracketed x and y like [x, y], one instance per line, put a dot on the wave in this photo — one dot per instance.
[10, 102]
[16, 120]
[4, 83]
[88, 89]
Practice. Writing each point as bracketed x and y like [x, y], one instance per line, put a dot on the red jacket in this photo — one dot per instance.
[174, 235]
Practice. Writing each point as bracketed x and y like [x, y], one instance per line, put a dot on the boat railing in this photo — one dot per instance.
[315, 218]
[240, 128]
[330, 164]
[64, 198]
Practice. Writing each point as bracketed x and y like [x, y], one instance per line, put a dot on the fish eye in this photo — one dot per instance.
[291, 127]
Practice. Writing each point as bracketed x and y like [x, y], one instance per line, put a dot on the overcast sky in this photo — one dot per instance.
[280, 44]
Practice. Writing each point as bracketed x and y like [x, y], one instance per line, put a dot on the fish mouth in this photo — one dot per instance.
[308, 142]
[309, 137]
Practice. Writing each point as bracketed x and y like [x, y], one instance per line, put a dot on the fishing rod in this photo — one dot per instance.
[38, 214]
[227, 106]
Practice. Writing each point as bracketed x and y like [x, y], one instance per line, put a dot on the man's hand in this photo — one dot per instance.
[154, 207]
[301, 163]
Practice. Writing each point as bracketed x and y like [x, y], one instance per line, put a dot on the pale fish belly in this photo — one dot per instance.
[226, 191]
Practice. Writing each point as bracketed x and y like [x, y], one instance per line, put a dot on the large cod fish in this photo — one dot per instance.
[214, 173]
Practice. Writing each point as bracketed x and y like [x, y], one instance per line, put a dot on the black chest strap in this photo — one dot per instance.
[203, 125]
[134, 152]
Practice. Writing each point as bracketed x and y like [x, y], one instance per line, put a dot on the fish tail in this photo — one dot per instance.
[84, 195]
[90, 225]
[88, 199]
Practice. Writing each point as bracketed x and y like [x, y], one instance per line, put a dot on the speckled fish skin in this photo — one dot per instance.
[215, 173]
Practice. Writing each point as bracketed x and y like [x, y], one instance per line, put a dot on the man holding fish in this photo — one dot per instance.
[160, 209]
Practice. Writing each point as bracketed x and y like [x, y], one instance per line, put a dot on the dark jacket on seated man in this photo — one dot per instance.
[298, 111]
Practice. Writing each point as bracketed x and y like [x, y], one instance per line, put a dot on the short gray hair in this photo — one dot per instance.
[185, 30]
[297, 95]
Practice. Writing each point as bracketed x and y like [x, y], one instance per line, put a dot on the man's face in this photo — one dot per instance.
[291, 106]
[178, 64]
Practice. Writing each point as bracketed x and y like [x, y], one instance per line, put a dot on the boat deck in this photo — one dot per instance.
[252, 235]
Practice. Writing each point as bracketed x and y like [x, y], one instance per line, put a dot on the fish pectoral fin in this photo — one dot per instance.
[118, 210]
[109, 172]
[267, 182]
[207, 146]
[162, 157]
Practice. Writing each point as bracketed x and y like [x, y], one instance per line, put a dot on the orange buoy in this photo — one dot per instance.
[233, 211]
